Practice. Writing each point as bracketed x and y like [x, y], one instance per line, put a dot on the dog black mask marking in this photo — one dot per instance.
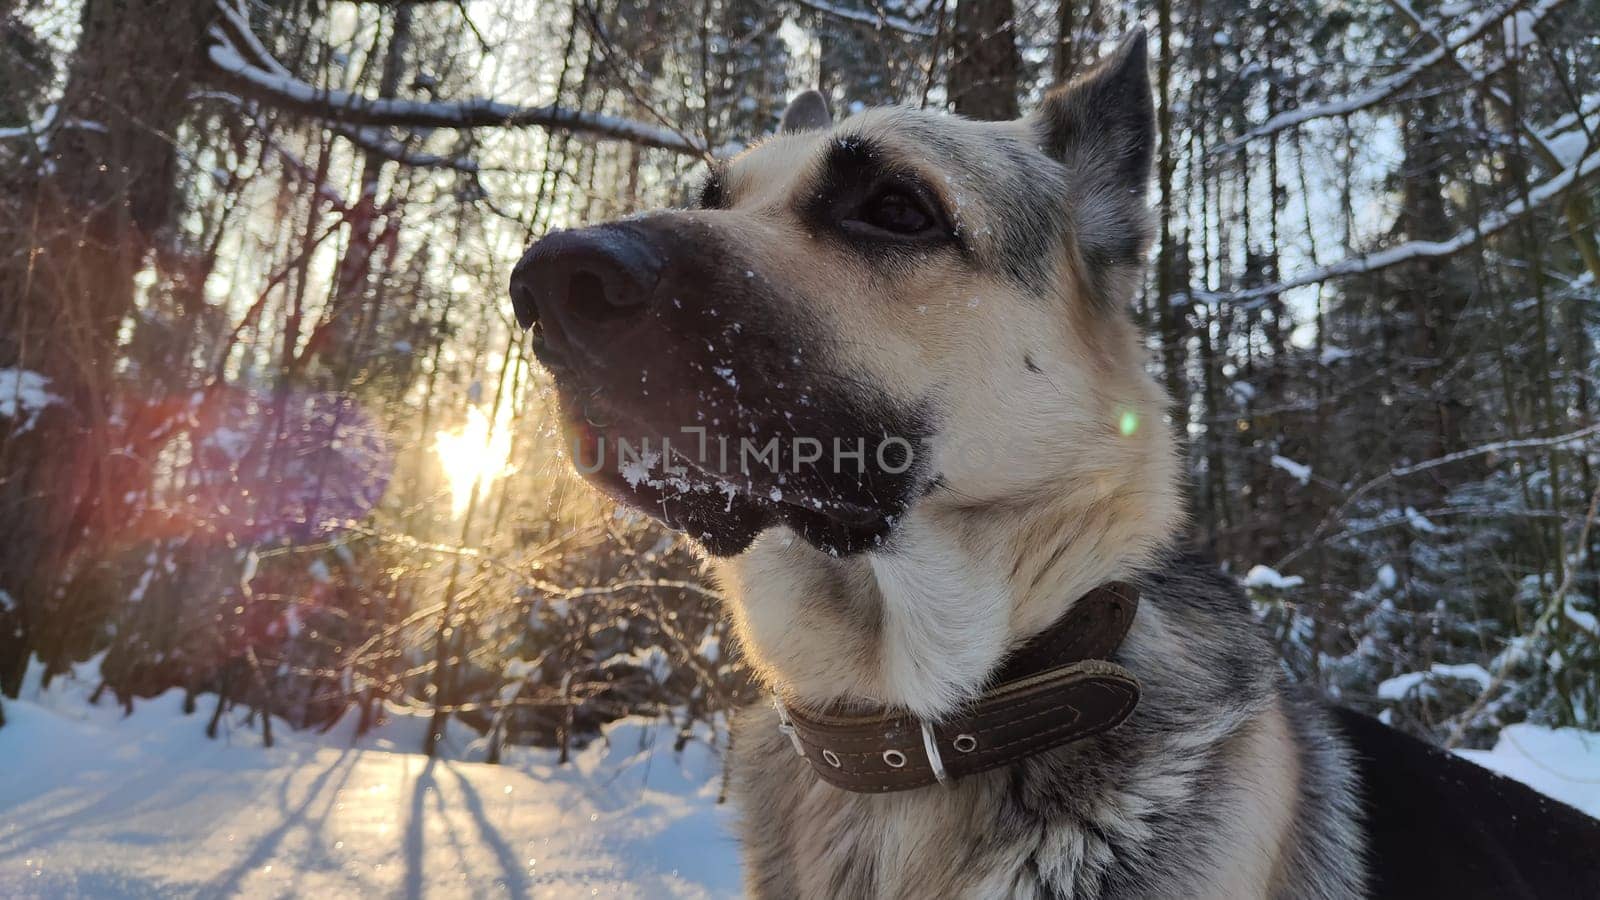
[693, 390]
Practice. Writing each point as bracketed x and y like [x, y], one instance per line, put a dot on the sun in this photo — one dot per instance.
[474, 454]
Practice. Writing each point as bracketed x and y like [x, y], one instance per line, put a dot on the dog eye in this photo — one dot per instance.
[896, 211]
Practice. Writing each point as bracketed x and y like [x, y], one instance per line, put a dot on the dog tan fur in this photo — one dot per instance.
[1061, 501]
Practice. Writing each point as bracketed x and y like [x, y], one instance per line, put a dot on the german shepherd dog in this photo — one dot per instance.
[883, 373]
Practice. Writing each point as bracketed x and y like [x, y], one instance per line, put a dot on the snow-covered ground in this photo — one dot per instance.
[93, 804]
[1561, 762]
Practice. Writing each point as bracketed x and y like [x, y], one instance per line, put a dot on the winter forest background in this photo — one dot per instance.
[269, 436]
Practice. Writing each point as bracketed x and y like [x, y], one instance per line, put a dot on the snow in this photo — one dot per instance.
[318, 570]
[520, 670]
[1465, 671]
[1266, 577]
[1569, 147]
[1401, 686]
[31, 129]
[98, 805]
[231, 442]
[40, 128]
[101, 806]
[654, 660]
[1420, 522]
[637, 470]
[710, 648]
[1298, 471]
[1387, 577]
[1519, 31]
[1582, 619]
[1563, 763]
[23, 396]
[1574, 118]
[1332, 354]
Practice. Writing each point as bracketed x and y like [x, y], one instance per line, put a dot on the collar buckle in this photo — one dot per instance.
[786, 725]
[930, 746]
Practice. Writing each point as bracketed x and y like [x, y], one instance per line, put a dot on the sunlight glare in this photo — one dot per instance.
[473, 454]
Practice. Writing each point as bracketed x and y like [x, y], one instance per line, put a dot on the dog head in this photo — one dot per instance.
[868, 326]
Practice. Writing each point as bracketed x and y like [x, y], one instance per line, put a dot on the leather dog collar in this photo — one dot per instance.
[1053, 690]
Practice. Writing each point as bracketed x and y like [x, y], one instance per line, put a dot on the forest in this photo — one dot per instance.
[270, 435]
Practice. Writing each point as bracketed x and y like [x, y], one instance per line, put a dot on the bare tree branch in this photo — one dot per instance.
[608, 50]
[1367, 487]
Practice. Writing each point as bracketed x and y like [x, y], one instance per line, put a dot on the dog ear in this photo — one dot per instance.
[1106, 118]
[1102, 128]
[806, 112]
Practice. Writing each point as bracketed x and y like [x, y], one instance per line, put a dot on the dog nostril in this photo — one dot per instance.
[581, 284]
[595, 297]
[587, 291]
[524, 304]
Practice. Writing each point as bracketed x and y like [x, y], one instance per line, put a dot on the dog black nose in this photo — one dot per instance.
[582, 285]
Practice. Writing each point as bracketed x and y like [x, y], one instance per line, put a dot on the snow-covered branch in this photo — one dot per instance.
[1390, 87]
[1516, 445]
[1537, 140]
[374, 141]
[865, 17]
[26, 131]
[262, 79]
[1576, 120]
[1497, 447]
[47, 123]
[1542, 195]
[370, 139]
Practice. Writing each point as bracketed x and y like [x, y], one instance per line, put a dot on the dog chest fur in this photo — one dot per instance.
[1205, 791]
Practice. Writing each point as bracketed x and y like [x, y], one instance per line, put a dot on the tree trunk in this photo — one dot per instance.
[1168, 263]
[985, 67]
[81, 222]
[1065, 60]
[367, 225]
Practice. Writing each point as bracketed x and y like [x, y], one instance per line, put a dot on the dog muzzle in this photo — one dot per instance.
[1056, 689]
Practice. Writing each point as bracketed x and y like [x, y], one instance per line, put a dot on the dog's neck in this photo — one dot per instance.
[983, 561]
[923, 623]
